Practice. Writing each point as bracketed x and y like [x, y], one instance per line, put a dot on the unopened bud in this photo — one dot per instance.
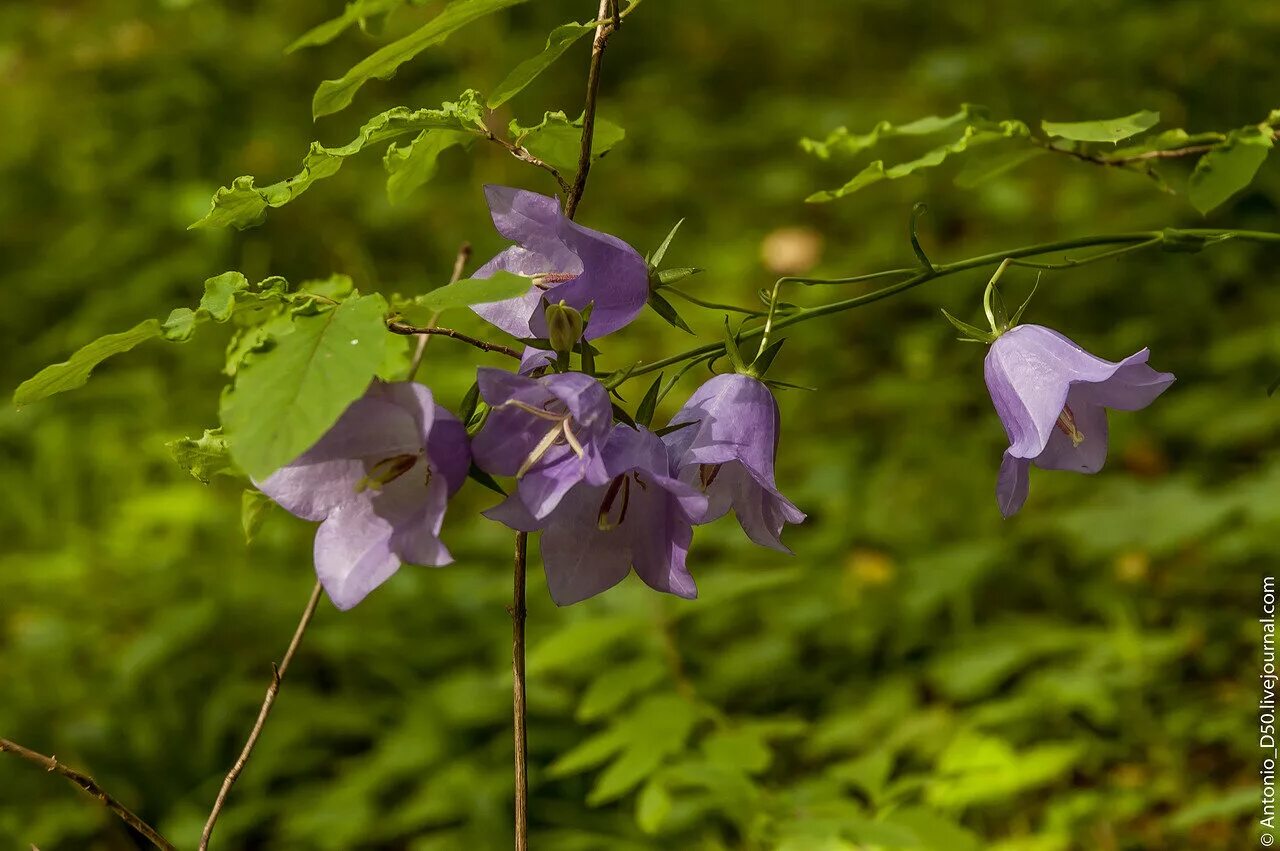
[564, 327]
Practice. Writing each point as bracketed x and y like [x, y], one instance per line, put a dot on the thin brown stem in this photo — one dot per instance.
[608, 17]
[395, 326]
[88, 784]
[459, 262]
[518, 614]
[522, 153]
[277, 676]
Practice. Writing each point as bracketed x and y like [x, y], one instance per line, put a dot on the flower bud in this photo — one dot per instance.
[564, 327]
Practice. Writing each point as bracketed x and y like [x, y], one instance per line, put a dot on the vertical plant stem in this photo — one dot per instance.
[459, 262]
[608, 23]
[277, 676]
[518, 614]
[88, 784]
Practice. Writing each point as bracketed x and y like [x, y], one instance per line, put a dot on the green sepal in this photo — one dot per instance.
[254, 505]
[483, 478]
[786, 385]
[971, 332]
[655, 260]
[665, 430]
[1017, 316]
[615, 378]
[731, 348]
[764, 359]
[621, 415]
[671, 276]
[649, 404]
[470, 399]
[587, 357]
[663, 308]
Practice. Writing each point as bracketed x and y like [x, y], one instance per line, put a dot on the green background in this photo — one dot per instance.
[920, 675]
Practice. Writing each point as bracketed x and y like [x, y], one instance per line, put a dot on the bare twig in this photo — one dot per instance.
[395, 326]
[459, 262]
[88, 784]
[277, 676]
[522, 153]
[609, 19]
[518, 614]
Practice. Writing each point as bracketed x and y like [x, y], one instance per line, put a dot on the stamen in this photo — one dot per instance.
[571, 439]
[707, 474]
[1067, 424]
[549, 279]
[544, 445]
[620, 484]
[387, 471]
[540, 413]
[639, 481]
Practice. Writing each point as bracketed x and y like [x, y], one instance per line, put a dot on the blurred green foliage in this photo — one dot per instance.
[921, 675]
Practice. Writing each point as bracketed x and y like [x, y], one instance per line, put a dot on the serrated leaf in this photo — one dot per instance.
[285, 399]
[876, 171]
[243, 205]
[75, 371]
[203, 457]
[356, 12]
[1227, 169]
[663, 308]
[558, 141]
[561, 39]
[649, 404]
[500, 287]
[335, 95]
[415, 164]
[1104, 130]
[841, 141]
[253, 510]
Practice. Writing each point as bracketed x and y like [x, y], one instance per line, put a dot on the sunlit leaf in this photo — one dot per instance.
[1104, 130]
[254, 505]
[500, 287]
[842, 142]
[356, 12]
[203, 457]
[558, 141]
[335, 95]
[415, 164]
[1226, 170]
[560, 40]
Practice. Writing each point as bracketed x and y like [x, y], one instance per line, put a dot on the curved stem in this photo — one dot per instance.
[88, 784]
[1131, 241]
[609, 22]
[277, 676]
[395, 326]
[712, 305]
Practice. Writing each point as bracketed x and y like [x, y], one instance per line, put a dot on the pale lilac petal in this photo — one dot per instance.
[542, 488]
[1091, 454]
[412, 398]
[660, 537]
[449, 449]
[615, 279]
[1012, 484]
[497, 385]
[580, 560]
[512, 512]
[532, 359]
[586, 399]
[513, 314]
[311, 491]
[737, 419]
[353, 553]
[1132, 387]
[688, 500]
[418, 541]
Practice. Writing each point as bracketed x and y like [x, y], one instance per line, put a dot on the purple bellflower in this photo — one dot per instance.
[1052, 397]
[378, 482]
[548, 432]
[641, 516]
[729, 452]
[568, 263]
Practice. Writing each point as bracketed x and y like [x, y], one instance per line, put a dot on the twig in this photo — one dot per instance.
[459, 262]
[522, 153]
[609, 10]
[277, 676]
[395, 326]
[518, 614]
[88, 784]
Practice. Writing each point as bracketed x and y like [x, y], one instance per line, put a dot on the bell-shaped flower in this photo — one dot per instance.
[566, 261]
[548, 432]
[378, 482]
[1052, 397]
[728, 453]
[641, 517]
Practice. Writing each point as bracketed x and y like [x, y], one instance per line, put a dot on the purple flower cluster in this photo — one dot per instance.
[609, 497]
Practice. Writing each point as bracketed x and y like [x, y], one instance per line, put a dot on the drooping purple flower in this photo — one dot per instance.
[1052, 397]
[548, 432]
[581, 266]
[378, 482]
[641, 517]
[729, 455]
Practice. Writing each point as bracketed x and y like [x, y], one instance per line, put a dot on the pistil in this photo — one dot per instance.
[1067, 424]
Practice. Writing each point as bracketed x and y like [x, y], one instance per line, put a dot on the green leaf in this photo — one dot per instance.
[412, 166]
[1227, 169]
[653, 805]
[656, 729]
[875, 172]
[645, 411]
[357, 12]
[557, 141]
[244, 205]
[286, 398]
[671, 276]
[500, 287]
[335, 95]
[253, 510]
[560, 40]
[616, 685]
[979, 171]
[217, 303]
[841, 141]
[1104, 130]
[663, 308]
[203, 457]
[75, 371]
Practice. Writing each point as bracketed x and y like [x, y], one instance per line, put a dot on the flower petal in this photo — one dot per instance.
[614, 278]
[1132, 387]
[1012, 484]
[353, 553]
[1091, 422]
[511, 512]
[580, 560]
[737, 419]
[660, 536]
[512, 315]
[449, 449]
[417, 540]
